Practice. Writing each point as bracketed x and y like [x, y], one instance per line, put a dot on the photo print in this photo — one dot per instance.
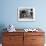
[26, 14]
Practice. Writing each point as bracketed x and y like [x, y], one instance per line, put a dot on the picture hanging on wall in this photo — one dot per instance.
[26, 14]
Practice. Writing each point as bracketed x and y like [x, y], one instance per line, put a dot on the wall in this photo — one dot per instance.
[9, 13]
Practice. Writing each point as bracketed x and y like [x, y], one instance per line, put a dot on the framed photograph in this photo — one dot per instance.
[26, 14]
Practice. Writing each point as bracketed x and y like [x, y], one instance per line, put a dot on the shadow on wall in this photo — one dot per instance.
[2, 26]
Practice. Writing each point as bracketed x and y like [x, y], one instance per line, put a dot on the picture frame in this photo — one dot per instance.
[26, 14]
